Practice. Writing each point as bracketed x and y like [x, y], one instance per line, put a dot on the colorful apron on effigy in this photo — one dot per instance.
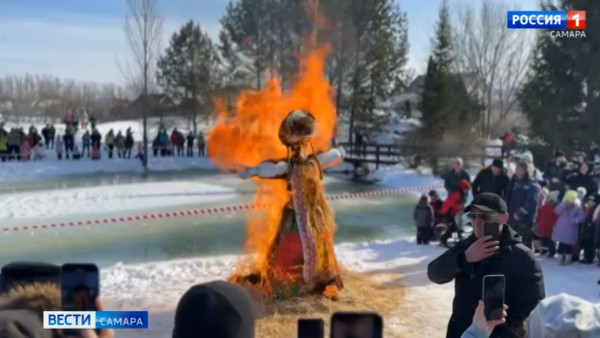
[302, 257]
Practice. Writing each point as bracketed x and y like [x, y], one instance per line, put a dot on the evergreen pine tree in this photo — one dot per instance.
[446, 105]
[189, 68]
[561, 97]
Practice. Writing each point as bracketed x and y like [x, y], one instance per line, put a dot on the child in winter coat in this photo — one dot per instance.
[38, 153]
[25, 150]
[59, 146]
[436, 203]
[546, 219]
[423, 217]
[566, 230]
[588, 229]
[453, 206]
[76, 153]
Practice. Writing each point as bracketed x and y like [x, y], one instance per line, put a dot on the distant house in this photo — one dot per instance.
[117, 108]
[156, 105]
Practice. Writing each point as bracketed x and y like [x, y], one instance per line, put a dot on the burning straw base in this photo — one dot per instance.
[278, 318]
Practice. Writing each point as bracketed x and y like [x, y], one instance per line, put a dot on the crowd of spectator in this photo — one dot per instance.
[537, 214]
[77, 143]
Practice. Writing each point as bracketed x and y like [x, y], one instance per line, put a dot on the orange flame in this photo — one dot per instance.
[251, 136]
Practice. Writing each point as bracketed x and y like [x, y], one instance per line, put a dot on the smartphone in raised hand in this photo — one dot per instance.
[493, 296]
[79, 287]
[356, 325]
[492, 229]
[311, 328]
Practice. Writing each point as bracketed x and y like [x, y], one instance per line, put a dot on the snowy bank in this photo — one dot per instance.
[158, 286]
[110, 199]
[51, 167]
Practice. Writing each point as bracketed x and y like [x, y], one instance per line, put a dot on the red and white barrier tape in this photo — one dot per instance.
[210, 210]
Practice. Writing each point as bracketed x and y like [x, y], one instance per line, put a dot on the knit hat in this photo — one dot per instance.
[564, 316]
[553, 196]
[570, 197]
[523, 165]
[215, 309]
[498, 163]
[464, 185]
[559, 153]
[581, 192]
[527, 156]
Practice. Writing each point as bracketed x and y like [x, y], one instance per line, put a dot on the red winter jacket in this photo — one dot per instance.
[546, 219]
[508, 138]
[175, 138]
[455, 202]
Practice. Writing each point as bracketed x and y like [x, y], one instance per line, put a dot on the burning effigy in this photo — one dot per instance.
[282, 140]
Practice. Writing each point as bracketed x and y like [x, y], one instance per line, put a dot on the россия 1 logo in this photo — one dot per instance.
[562, 24]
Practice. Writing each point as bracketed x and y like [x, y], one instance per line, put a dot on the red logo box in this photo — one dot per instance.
[576, 20]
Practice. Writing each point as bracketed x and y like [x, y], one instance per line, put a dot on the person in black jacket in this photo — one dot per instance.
[190, 144]
[455, 175]
[468, 261]
[588, 229]
[69, 141]
[491, 179]
[582, 178]
[554, 173]
[522, 196]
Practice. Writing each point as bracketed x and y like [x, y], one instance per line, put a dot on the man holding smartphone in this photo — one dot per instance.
[478, 255]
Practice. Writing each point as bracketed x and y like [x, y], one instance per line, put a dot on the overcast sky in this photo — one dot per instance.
[84, 39]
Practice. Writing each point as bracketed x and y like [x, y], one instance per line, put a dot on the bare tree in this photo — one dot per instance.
[492, 59]
[143, 27]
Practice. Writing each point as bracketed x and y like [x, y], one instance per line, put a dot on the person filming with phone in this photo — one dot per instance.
[494, 248]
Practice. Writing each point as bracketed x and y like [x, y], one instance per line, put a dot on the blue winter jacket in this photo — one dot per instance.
[522, 198]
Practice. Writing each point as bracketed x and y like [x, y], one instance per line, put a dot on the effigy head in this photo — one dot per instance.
[297, 128]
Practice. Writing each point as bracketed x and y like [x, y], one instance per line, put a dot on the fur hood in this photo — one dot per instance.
[37, 297]
[22, 309]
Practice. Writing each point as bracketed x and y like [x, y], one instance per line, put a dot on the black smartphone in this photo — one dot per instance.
[491, 229]
[79, 287]
[356, 325]
[493, 296]
[311, 328]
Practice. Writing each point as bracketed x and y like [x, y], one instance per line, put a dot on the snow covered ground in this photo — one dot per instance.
[158, 286]
[110, 199]
[51, 167]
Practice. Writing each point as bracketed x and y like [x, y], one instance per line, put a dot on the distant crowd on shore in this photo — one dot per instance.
[18, 145]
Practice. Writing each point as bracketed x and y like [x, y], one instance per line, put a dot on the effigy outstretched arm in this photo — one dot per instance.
[331, 158]
[266, 170]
